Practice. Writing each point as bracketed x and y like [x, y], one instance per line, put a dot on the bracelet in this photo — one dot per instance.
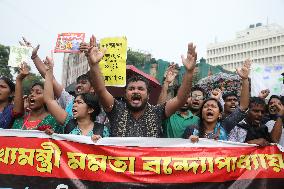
[34, 56]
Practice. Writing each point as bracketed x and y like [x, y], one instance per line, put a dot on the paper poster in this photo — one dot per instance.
[113, 64]
[69, 42]
[18, 54]
[266, 77]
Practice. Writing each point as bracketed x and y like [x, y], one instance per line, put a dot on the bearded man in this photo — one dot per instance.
[135, 117]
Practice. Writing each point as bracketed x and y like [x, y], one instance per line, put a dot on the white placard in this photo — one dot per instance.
[18, 54]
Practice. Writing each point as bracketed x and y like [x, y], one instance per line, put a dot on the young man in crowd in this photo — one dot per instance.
[136, 117]
[251, 130]
[175, 125]
[197, 97]
[230, 103]
[273, 115]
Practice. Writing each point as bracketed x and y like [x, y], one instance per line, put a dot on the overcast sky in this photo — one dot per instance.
[161, 27]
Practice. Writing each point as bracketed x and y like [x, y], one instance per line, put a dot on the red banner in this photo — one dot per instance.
[62, 161]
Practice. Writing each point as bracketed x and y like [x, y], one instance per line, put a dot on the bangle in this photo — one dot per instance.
[34, 56]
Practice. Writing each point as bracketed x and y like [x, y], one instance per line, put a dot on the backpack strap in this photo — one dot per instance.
[72, 124]
[98, 129]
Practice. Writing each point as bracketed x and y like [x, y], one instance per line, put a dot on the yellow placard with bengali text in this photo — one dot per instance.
[113, 64]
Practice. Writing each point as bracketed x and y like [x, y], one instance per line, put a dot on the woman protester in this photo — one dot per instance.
[85, 109]
[38, 118]
[211, 125]
[7, 89]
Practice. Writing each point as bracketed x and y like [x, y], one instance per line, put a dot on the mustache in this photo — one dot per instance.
[136, 96]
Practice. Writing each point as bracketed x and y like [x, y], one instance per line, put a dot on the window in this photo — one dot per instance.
[278, 39]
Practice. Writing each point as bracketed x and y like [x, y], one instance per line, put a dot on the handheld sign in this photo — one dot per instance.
[266, 77]
[18, 54]
[69, 42]
[113, 64]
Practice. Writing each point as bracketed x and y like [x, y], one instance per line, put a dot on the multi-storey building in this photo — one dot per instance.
[74, 65]
[263, 44]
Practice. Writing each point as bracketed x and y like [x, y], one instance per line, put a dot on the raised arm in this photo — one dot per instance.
[18, 100]
[41, 67]
[236, 116]
[94, 57]
[277, 128]
[189, 63]
[170, 76]
[52, 105]
[244, 74]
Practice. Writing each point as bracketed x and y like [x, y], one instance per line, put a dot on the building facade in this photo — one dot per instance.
[74, 65]
[263, 44]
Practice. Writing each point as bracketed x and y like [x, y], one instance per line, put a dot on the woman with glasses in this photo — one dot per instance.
[211, 125]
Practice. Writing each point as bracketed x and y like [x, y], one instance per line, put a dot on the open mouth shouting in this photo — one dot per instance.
[74, 111]
[136, 99]
[233, 107]
[32, 102]
[257, 121]
[272, 109]
[195, 104]
[210, 115]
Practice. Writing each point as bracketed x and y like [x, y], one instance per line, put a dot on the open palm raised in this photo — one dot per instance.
[190, 60]
[95, 54]
[245, 69]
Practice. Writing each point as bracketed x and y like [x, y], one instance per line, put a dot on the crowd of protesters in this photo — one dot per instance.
[94, 112]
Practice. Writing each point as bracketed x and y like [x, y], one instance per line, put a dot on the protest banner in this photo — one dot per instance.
[69, 42]
[265, 76]
[113, 64]
[31, 159]
[19, 54]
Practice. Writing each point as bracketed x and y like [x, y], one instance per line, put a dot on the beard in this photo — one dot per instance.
[136, 108]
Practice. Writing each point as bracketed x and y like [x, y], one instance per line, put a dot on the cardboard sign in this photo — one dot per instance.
[18, 54]
[69, 42]
[113, 64]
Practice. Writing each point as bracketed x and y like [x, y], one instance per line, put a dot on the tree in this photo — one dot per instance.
[31, 79]
[4, 57]
[135, 58]
[5, 70]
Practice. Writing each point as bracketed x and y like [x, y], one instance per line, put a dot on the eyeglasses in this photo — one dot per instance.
[197, 97]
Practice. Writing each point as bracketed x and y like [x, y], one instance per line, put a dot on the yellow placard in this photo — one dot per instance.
[113, 64]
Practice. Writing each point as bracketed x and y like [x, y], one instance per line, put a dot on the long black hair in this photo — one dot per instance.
[92, 102]
[201, 125]
[11, 85]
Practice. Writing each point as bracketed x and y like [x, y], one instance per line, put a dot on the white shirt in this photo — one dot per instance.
[270, 125]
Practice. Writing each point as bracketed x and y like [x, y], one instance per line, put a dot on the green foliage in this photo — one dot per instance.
[4, 57]
[196, 77]
[6, 71]
[135, 58]
[29, 81]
